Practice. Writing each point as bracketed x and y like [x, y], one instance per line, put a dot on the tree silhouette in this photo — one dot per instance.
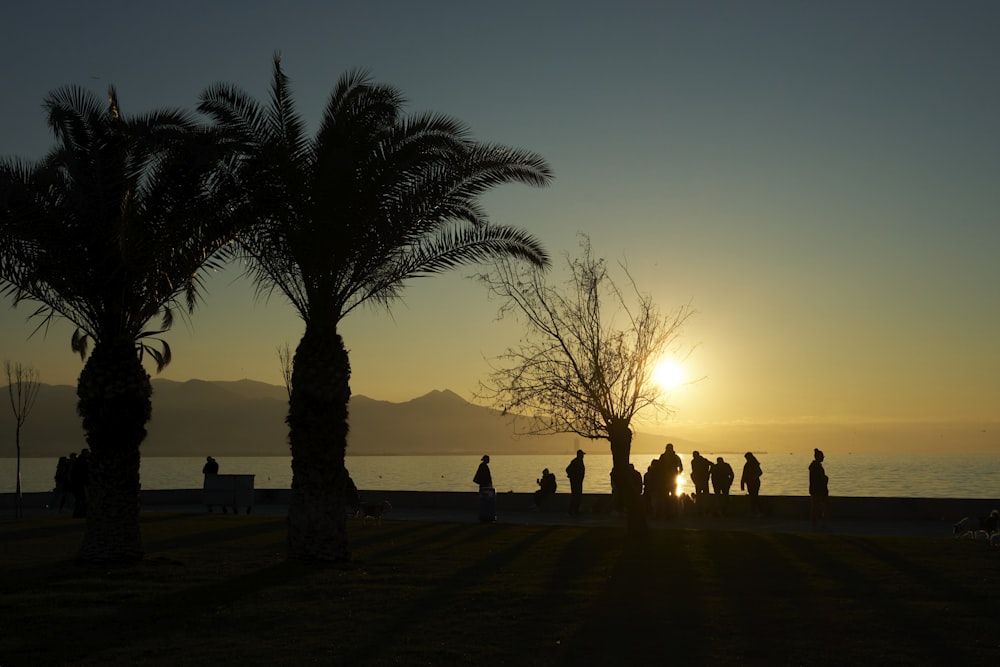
[112, 231]
[22, 386]
[344, 219]
[585, 363]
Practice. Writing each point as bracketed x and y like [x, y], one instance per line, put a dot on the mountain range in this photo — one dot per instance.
[247, 418]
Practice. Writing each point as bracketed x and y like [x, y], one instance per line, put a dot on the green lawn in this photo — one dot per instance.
[216, 590]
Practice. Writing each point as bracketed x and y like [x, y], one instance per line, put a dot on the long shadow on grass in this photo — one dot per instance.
[376, 541]
[39, 527]
[440, 598]
[864, 600]
[171, 612]
[210, 533]
[643, 609]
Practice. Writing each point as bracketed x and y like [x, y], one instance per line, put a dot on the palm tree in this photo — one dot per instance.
[112, 229]
[344, 219]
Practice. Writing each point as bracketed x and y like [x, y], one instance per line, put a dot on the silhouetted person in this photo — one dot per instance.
[722, 480]
[671, 467]
[546, 487]
[211, 467]
[652, 490]
[618, 495]
[78, 483]
[819, 491]
[483, 477]
[701, 471]
[688, 504]
[487, 494]
[750, 480]
[576, 471]
[633, 502]
[62, 489]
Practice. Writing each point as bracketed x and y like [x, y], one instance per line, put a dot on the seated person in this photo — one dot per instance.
[547, 487]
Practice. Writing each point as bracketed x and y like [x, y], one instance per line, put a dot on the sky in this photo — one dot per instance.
[816, 180]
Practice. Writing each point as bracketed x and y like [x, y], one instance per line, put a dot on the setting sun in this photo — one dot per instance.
[668, 374]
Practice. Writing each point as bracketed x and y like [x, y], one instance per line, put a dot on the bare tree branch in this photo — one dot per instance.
[285, 359]
[586, 359]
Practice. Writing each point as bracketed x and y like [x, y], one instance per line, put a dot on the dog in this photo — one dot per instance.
[373, 511]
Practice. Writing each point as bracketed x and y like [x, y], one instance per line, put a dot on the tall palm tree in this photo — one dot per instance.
[342, 219]
[111, 230]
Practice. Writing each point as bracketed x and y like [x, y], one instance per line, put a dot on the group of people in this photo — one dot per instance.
[547, 483]
[657, 490]
[71, 483]
[660, 485]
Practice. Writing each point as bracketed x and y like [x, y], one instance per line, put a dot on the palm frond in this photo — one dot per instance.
[119, 221]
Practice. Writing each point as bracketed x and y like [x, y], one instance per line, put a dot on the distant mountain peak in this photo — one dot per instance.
[443, 395]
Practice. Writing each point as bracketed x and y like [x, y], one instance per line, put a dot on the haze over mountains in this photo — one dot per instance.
[247, 418]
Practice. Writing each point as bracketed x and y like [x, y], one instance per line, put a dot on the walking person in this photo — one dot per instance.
[819, 491]
[576, 472]
[750, 480]
[722, 480]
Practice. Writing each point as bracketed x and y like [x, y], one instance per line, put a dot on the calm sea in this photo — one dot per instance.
[879, 475]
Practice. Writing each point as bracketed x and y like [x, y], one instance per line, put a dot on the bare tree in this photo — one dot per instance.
[285, 358]
[585, 364]
[22, 385]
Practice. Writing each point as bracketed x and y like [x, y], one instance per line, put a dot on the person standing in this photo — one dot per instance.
[483, 477]
[487, 494]
[670, 468]
[701, 471]
[211, 467]
[634, 510]
[750, 480]
[576, 471]
[819, 491]
[722, 481]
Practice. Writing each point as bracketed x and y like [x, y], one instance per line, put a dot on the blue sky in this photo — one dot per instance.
[817, 180]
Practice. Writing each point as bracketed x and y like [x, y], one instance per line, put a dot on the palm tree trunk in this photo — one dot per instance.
[317, 434]
[115, 404]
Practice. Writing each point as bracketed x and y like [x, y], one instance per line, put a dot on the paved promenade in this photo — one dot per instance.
[913, 517]
[927, 528]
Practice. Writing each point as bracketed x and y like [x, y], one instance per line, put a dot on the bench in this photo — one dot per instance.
[226, 491]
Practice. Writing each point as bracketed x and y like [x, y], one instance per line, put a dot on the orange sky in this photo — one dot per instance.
[817, 182]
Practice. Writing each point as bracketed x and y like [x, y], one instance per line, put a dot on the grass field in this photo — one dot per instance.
[217, 590]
